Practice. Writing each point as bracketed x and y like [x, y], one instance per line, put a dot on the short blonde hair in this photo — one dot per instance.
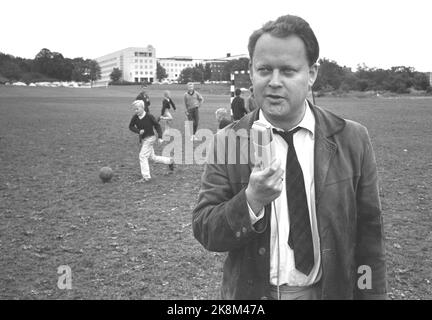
[221, 113]
[138, 103]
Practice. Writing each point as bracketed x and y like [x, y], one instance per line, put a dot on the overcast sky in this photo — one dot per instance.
[379, 33]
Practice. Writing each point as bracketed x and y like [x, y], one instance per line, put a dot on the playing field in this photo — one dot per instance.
[125, 240]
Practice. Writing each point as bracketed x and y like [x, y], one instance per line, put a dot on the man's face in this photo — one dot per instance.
[190, 87]
[281, 77]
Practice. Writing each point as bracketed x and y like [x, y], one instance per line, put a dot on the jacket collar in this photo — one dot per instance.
[325, 121]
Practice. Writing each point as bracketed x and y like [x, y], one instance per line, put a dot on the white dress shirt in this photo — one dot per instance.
[282, 265]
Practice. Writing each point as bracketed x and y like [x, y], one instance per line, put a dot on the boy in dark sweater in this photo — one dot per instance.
[144, 123]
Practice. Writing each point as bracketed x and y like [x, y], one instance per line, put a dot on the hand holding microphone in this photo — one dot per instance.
[265, 182]
[264, 185]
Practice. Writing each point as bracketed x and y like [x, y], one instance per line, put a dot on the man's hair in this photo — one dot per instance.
[285, 26]
[138, 103]
[237, 92]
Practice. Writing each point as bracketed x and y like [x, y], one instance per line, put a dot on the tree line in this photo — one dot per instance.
[48, 66]
[398, 79]
[53, 66]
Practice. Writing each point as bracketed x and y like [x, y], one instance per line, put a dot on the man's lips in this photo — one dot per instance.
[274, 97]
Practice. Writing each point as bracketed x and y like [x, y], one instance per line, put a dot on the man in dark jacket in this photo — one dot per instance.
[309, 225]
[238, 106]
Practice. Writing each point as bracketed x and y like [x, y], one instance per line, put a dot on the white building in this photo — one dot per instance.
[174, 65]
[138, 64]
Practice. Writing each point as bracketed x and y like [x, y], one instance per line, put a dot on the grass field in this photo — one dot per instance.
[125, 240]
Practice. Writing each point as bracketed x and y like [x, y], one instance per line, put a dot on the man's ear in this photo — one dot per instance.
[313, 73]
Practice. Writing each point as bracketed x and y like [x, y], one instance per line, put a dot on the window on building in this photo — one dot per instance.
[141, 72]
[136, 79]
[136, 60]
[136, 72]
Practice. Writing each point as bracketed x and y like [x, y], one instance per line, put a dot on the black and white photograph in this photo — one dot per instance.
[202, 151]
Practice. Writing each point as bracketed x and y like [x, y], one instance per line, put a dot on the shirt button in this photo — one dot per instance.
[238, 234]
[261, 251]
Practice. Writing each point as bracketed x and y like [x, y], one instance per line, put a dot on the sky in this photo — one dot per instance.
[377, 33]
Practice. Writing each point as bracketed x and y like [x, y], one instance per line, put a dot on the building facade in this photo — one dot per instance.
[174, 65]
[137, 64]
[216, 67]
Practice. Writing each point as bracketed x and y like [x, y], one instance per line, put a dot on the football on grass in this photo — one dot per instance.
[105, 173]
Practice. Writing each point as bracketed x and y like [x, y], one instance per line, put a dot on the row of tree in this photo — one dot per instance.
[49, 65]
[401, 79]
[331, 77]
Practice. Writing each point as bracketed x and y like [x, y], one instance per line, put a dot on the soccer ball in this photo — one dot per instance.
[105, 173]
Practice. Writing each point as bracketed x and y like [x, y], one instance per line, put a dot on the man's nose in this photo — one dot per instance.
[275, 80]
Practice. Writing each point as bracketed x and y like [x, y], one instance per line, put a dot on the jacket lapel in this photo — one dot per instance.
[326, 125]
[324, 151]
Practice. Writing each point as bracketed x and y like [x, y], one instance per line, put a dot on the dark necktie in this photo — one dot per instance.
[300, 233]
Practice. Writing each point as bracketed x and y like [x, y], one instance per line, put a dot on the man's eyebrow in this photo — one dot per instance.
[288, 67]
